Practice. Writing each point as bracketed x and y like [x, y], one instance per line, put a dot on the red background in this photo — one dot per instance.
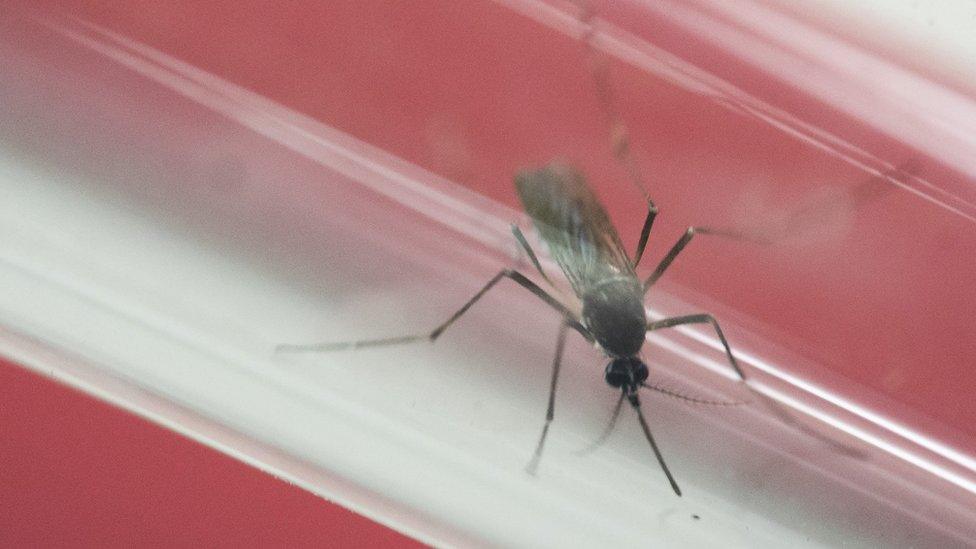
[78, 472]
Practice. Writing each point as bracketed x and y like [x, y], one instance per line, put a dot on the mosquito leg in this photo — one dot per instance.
[861, 194]
[528, 250]
[600, 70]
[556, 362]
[343, 345]
[606, 430]
[680, 245]
[528, 285]
[433, 335]
[645, 232]
[635, 404]
[775, 407]
[619, 134]
[703, 318]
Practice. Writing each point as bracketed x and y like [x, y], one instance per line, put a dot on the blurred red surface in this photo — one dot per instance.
[76, 472]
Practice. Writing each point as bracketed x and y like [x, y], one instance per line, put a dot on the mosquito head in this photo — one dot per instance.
[626, 373]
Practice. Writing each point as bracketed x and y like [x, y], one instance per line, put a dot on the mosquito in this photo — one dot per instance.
[584, 243]
[587, 248]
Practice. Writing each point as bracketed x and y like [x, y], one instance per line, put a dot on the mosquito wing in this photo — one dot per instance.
[573, 224]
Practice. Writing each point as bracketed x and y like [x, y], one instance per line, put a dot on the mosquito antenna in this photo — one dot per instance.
[681, 396]
[606, 430]
[635, 404]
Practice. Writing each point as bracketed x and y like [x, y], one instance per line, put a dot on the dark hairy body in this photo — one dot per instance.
[584, 243]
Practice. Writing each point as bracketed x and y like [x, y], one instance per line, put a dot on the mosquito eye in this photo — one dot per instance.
[640, 373]
[617, 374]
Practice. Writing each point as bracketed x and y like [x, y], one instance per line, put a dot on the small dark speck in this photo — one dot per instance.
[696, 517]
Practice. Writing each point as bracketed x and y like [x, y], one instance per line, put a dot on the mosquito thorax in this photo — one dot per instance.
[627, 372]
[613, 312]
